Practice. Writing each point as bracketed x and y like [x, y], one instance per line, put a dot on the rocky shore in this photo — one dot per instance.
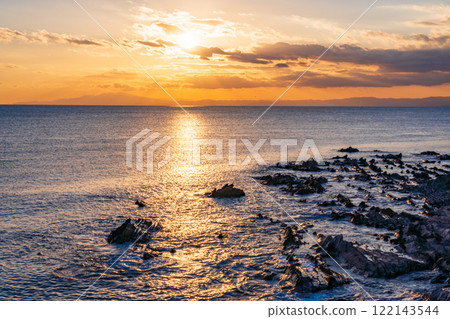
[418, 239]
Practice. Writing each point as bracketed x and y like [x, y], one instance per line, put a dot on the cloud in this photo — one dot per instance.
[437, 40]
[355, 79]
[10, 66]
[425, 23]
[168, 28]
[43, 36]
[281, 65]
[392, 60]
[205, 53]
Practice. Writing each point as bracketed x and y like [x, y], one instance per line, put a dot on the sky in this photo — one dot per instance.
[215, 52]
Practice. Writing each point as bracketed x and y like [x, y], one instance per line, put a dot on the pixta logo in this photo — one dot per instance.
[145, 143]
[143, 146]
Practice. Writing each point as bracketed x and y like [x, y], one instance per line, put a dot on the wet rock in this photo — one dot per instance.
[327, 203]
[348, 150]
[150, 253]
[438, 294]
[363, 162]
[305, 186]
[375, 168]
[370, 263]
[362, 177]
[267, 274]
[344, 200]
[278, 179]
[139, 232]
[227, 191]
[140, 203]
[290, 237]
[443, 157]
[431, 153]
[421, 175]
[304, 280]
[391, 156]
[307, 166]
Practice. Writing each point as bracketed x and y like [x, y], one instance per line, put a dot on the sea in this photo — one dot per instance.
[65, 185]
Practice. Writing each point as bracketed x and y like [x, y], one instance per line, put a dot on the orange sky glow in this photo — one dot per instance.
[238, 53]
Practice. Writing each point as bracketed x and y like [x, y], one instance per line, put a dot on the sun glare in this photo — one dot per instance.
[188, 41]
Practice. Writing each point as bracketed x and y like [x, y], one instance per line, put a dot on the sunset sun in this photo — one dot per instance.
[188, 41]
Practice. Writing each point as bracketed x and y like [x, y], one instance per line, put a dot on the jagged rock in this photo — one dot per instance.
[267, 274]
[327, 203]
[375, 168]
[348, 150]
[421, 175]
[443, 157]
[371, 263]
[307, 166]
[140, 203]
[391, 156]
[429, 153]
[278, 179]
[344, 200]
[131, 232]
[291, 239]
[308, 185]
[227, 191]
[438, 294]
[320, 278]
[150, 253]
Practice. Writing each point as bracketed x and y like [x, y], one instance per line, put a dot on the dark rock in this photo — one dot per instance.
[438, 294]
[308, 185]
[348, 150]
[421, 175]
[391, 156]
[278, 179]
[429, 153]
[443, 157]
[267, 275]
[140, 203]
[344, 200]
[327, 203]
[291, 239]
[371, 263]
[227, 191]
[375, 168]
[132, 232]
[303, 280]
[307, 166]
[150, 253]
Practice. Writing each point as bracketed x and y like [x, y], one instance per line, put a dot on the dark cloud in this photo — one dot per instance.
[416, 60]
[354, 79]
[281, 65]
[206, 52]
[434, 40]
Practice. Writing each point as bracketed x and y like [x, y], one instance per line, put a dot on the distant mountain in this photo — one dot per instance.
[128, 99]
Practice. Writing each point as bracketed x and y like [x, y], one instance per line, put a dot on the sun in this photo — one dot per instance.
[188, 41]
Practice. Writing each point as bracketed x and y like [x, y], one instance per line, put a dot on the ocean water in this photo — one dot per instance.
[64, 186]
